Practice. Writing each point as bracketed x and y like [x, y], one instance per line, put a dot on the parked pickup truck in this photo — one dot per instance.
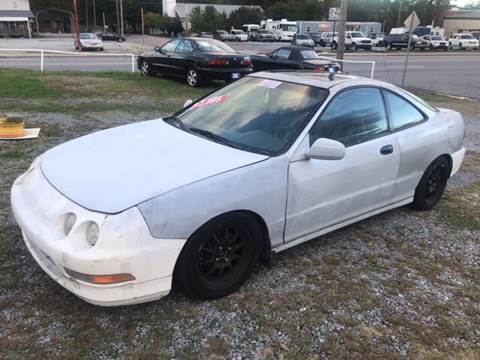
[398, 41]
[354, 40]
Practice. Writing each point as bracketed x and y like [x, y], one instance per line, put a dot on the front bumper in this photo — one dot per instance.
[124, 245]
[92, 46]
[364, 45]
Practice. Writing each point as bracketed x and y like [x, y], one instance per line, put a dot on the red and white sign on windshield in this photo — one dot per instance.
[209, 101]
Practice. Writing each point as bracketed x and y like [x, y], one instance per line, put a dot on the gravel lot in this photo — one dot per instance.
[399, 285]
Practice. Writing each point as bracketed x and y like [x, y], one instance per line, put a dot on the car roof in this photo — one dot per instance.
[294, 47]
[320, 79]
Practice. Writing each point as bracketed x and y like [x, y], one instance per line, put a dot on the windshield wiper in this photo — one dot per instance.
[176, 122]
[214, 137]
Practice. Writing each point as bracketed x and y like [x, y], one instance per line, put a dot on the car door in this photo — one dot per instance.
[183, 57]
[281, 58]
[415, 140]
[323, 193]
[161, 62]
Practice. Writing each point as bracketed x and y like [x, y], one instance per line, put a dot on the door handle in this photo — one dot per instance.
[387, 149]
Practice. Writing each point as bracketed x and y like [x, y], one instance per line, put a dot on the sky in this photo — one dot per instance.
[461, 2]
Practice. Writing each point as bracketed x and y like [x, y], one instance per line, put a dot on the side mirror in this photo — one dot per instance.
[349, 37]
[326, 149]
[187, 103]
[156, 48]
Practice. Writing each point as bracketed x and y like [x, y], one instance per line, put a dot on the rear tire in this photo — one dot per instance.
[193, 77]
[432, 185]
[334, 45]
[219, 257]
[389, 47]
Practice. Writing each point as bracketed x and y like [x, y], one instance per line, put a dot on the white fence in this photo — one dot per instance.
[42, 53]
[371, 62]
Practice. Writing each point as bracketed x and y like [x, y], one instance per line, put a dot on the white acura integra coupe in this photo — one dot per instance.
[198, 198]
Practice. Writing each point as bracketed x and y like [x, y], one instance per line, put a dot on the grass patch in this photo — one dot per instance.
[76, 93]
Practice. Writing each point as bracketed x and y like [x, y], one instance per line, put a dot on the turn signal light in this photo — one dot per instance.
[100, 279]
[217, 62]
[319, 68]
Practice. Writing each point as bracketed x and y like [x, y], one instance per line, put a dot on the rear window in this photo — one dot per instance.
[309, 54]
[213, 46]
[467, 37]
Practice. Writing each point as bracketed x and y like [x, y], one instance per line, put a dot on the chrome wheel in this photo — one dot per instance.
[192, 78]
[145, 68]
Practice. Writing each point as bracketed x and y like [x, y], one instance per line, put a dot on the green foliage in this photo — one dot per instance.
[207, 20]
[244, 15]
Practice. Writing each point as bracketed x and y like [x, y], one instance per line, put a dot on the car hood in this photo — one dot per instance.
[113, 170]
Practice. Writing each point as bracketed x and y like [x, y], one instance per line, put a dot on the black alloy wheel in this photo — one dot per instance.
[219, 257]
[432, 185]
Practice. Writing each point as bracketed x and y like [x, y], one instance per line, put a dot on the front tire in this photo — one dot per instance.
[219, 257]
[145, 68]
[193, 78]
[353, 47]
[432, 185]
[334, 45]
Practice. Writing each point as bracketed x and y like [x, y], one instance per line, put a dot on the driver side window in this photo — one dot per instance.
[282, 54]
[352, 117]
[170, 47]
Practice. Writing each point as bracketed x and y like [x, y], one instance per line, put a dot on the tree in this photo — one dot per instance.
[244, 15]
[207, 20]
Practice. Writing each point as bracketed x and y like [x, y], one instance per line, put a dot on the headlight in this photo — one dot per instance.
[92, 233]
[69, 223]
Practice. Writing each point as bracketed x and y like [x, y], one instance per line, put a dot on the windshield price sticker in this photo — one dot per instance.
[210, 101]
[271, 84]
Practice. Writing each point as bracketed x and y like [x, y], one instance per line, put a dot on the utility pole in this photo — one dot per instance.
[118, 16]
[94, 14]
[399, 13]
[341, 29]
[77, 24]
[121, 17]
[143, 27]
[103, 18]
[86, 12]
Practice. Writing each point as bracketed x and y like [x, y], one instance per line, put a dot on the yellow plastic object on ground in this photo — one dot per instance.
[12, 126]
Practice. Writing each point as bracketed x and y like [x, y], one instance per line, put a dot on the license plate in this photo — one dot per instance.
[235, 75]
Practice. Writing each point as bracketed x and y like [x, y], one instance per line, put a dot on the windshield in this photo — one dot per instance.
[264, 32]
[356, 34]
[88, 36]
[213, 46]
[303, 37]
[309, 54]
[467, 37]
[255, 114]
